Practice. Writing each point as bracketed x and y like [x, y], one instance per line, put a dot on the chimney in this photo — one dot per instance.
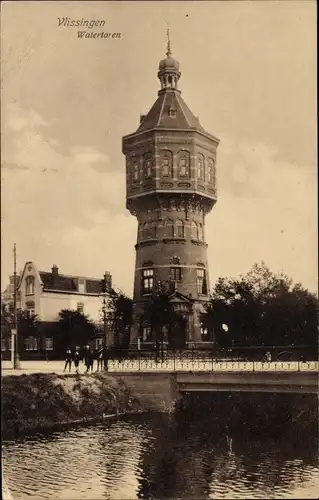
[142, 118]
[55, 272]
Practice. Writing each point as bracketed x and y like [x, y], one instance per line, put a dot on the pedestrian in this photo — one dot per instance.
[106, 358]
[268, 356]
[76, 361]
[68, 360]
[87, 358]
[100, 356]
[92, 356]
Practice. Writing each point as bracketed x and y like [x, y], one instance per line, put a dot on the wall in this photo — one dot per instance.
[52, 303]
[154, 391]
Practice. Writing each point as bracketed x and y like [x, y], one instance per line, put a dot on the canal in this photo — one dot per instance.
[217, 445]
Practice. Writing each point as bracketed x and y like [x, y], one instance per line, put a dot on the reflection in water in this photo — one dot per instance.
[211, 448]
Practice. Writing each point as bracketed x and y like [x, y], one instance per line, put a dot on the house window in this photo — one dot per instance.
[194, 230]
[179, 229]
[135, 170]
[99, 343]
[148, 280]
[146, 333]
[201, 282]
[81, 285]
[31, 344]
[200, 232]
[10, 343]
[80, 307]
[29, 284]
[3, 345]
[200, 168]
[183, 167]
[48, 343]
[175, 274]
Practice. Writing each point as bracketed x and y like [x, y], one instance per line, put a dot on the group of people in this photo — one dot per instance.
[87, 355]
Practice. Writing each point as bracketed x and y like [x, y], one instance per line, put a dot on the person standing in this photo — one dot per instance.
[76, 361]
[91, 355]
[99, 357]
[68, 360]
[87, 359]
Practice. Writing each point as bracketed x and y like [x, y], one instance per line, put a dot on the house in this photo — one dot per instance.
[45, 294]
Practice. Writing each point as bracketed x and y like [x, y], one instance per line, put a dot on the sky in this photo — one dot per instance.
[248, 70]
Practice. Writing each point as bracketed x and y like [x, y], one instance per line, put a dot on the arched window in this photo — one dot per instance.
[194, 230]
[167, 164]
[179, 229]
[29, 285]
[201, 167]
[135, 170]
[200, 232]
[153, 230]
[147, 166]
[210, 171]
[183, 164]
[140, 231]
[169, 229]
[146, 231]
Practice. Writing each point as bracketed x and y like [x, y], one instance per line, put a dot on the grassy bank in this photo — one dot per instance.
[38, 402]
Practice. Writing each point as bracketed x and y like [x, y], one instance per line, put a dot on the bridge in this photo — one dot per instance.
[160, 384]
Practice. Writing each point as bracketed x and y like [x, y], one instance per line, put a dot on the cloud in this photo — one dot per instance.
[67, 207]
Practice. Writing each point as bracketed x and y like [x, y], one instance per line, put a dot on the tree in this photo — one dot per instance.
[120, 314]
[74, 329]
[261, 308]
[160, 316]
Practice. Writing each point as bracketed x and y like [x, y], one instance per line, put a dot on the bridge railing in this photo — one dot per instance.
[147, 362]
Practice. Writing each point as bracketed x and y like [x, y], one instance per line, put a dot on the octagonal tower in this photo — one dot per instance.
[170, 187]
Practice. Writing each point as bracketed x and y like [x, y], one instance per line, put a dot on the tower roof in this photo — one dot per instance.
[170, 111]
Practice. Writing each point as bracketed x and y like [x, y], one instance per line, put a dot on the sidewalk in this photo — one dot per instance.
[28, 367]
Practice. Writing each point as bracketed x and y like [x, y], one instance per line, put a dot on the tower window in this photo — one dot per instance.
[201, 282]
[171, 112]
[200, 168]
[135, 170]
[210, 172]
[167, 165]
[179, 232]
[169, 229]
[153, 230]
[29, 285]
[147, 167]
[194, 230]
[175, 274]
[183, 167]
[148, 281]
[200, 232]
[146, 231]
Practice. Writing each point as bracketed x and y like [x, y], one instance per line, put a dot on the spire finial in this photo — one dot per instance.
[168, 53]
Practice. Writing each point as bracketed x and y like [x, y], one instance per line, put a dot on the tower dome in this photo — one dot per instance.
[168, 69]
[169, 63]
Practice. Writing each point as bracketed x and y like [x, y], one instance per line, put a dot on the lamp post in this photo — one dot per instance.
[14, 331]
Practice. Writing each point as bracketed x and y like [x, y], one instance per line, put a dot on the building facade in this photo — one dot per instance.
[45, 294]
[170, 188]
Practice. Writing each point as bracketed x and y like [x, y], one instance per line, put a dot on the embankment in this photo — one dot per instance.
[39, 402]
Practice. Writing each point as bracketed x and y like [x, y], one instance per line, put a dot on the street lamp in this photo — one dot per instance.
[14, 330]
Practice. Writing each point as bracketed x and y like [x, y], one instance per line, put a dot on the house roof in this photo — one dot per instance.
[160, 115]
[55, 282]
[68, 283]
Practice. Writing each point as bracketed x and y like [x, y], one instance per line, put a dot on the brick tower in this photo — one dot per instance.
[171, 186]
